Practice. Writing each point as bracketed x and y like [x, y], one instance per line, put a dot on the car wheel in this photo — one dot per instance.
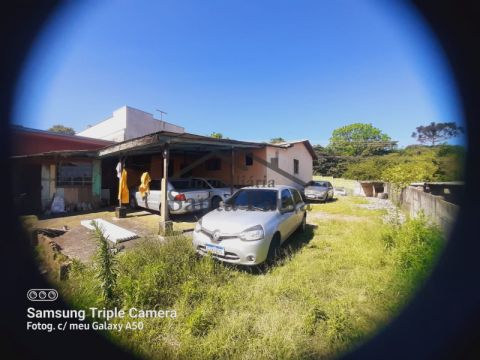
[133, 203]
[274, 249]
[215, 202]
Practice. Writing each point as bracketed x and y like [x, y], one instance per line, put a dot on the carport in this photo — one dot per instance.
[192, 149]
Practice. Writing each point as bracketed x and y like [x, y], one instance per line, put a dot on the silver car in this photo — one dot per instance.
[319, 190]
[218, 190]
[250, 226]
[183, 197]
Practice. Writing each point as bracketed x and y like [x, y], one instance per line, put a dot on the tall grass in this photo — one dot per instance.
[339, 283]
[106, 265]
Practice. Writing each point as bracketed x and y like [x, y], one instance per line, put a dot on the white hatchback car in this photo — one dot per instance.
[250, 226]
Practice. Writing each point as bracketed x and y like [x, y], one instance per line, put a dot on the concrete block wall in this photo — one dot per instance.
[434, 207]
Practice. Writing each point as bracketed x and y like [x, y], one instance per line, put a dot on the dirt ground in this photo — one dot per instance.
[77, 242]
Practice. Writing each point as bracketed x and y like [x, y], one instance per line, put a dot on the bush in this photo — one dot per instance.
[414, 247]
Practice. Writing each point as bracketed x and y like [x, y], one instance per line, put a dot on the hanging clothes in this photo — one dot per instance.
[118, 169]
[144, 187]
[123, 193]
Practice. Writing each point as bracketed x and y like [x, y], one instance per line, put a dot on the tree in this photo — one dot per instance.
[216, 135]
[328, 164]
[403, 174]
[359, 140]
[370, 168]
[436, 132]
[277, 140]
[62, 129]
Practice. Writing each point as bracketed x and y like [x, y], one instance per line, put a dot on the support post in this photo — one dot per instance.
[232, 170]
[165, 224]
[120, 211]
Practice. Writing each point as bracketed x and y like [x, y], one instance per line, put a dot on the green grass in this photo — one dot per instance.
[346, 206]
[337, 285]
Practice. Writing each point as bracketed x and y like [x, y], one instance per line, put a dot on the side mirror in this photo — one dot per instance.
[221, 204]
[288, 208]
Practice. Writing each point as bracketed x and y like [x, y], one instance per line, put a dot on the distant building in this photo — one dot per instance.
[128, 123]
[46, 164]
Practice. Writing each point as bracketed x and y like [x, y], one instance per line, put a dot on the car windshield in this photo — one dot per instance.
[254, 199]
[217, 184]
[318, 183]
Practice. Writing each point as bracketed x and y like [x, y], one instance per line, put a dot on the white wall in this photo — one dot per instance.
[141, 123]
[128, 123]
[285, 162]
[112, 129]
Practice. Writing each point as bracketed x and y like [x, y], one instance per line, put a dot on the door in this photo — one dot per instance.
[330, 190]
[27, 189]
[299, 207]
[287, 218]
[152, 200]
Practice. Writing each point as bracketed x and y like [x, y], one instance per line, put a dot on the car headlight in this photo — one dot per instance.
[253, 233]
[198, 226]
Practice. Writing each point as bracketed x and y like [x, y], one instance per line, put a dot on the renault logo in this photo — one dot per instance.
[216, 235]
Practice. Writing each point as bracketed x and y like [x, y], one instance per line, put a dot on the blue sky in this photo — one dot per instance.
[250, 69]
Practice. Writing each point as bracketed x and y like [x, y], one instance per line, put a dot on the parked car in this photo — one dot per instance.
[250, 226]
[183, 197]
[318, 190]
[339, 191]
[219, 191]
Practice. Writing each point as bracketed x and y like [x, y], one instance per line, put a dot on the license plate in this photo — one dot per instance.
[215, 249]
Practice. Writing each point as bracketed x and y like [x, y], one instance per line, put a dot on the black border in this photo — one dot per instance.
[443, 321]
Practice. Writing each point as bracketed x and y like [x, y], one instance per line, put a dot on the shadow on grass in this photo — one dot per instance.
[287, 250]
[310, 201]
[188, 218]
[74, 213]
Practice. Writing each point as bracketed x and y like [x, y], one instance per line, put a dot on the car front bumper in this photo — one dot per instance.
[316, 196]
[236, 251]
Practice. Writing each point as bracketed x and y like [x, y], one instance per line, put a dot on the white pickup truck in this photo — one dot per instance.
[182, 197]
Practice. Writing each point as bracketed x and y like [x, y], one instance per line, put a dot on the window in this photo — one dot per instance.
[286, 198]
[319, 183]
[296, 165]
[249, 159]
[274, 162]
[217, 183]
[296, 197]
[214, 164]
[199, 184]
[254, 199]
[72, 174]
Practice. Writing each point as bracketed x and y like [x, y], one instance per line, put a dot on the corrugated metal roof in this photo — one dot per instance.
[111, 231]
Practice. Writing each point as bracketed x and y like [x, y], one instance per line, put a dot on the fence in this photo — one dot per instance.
[415, 200]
